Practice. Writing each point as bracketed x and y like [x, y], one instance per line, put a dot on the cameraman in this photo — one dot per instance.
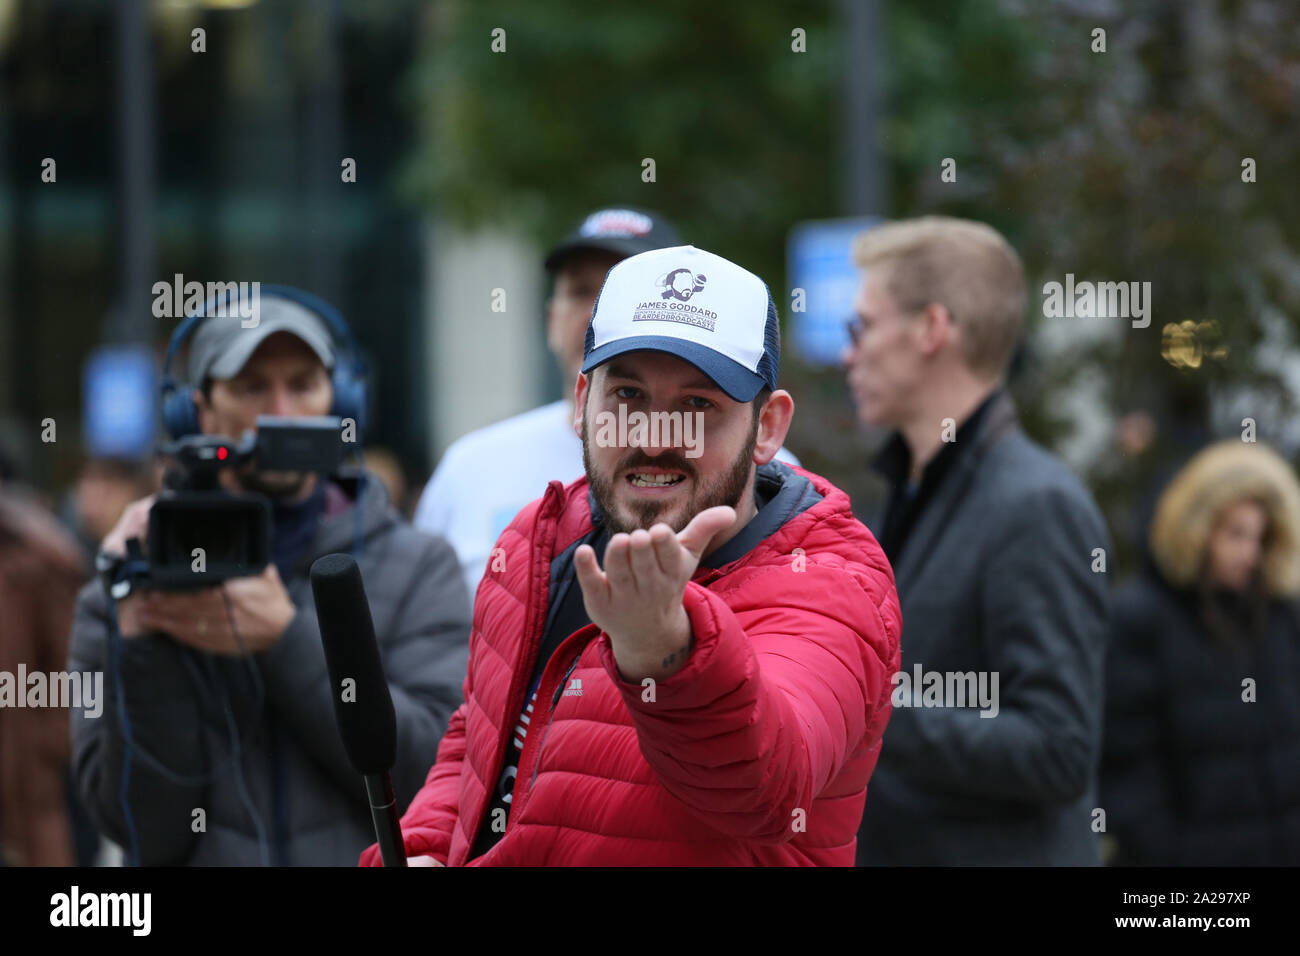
[230, 754]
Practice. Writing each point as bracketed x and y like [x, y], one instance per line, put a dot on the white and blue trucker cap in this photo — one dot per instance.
[695, 305]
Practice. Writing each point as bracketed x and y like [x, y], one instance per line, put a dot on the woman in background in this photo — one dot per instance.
[1201, 764]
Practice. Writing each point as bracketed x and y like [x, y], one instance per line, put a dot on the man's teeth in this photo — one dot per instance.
[654, 481]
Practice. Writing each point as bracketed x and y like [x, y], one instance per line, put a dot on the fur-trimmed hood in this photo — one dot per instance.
[1218, 476]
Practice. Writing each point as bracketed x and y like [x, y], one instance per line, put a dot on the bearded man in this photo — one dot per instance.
[678, 659]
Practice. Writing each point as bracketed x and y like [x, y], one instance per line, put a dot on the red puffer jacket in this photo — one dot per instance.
[757, 752]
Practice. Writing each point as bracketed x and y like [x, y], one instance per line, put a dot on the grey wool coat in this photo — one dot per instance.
[997, 577]
[252, 741]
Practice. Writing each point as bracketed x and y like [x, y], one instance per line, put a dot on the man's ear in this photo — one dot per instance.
[553, 331]
[204, 407]
[936, 328]
[773, 424]
[579, 402]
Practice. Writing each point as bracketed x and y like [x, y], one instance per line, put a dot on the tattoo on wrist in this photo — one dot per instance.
[683, 653]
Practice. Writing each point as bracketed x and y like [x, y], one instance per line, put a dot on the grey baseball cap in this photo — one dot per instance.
[221, 346]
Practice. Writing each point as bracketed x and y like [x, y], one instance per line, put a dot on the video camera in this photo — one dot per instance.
[201, 535]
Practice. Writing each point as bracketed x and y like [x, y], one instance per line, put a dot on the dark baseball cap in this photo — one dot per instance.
[223, 344]
[624, 230]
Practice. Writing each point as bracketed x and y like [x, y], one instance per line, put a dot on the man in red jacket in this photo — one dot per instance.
[684, 657]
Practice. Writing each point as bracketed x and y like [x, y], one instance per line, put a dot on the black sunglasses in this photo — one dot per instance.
[854, 326]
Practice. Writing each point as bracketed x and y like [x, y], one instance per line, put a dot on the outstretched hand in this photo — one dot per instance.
[637, 598]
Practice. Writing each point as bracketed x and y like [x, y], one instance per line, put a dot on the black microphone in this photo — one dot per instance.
[362, 705]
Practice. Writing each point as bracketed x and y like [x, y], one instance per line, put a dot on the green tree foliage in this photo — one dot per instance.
[738, 125]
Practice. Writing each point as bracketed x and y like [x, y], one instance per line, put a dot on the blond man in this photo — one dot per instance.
[991, 754]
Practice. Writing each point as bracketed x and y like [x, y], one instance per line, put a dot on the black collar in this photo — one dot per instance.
[894, 460]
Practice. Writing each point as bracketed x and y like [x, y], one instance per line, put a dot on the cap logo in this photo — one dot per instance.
[681, 284]
[677, 287]
[615, 222]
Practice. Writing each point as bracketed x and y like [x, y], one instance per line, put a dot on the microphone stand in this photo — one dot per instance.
[383, 812]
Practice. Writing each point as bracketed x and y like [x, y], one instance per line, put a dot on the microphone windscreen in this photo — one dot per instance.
[363, 706]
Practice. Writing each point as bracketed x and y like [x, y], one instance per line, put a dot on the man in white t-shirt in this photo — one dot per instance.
[487, 476]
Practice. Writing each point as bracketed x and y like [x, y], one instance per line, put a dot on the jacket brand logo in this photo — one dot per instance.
[574, 688]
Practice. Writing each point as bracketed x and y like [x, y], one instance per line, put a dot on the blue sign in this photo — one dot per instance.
[119, 389]
[819, 262]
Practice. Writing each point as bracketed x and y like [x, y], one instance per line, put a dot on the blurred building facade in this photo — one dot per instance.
[229, 163]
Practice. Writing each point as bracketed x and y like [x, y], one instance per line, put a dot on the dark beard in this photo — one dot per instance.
[727, 490]
[288, 485]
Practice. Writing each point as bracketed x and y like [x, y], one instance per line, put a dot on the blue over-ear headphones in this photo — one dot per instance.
[181, 416]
